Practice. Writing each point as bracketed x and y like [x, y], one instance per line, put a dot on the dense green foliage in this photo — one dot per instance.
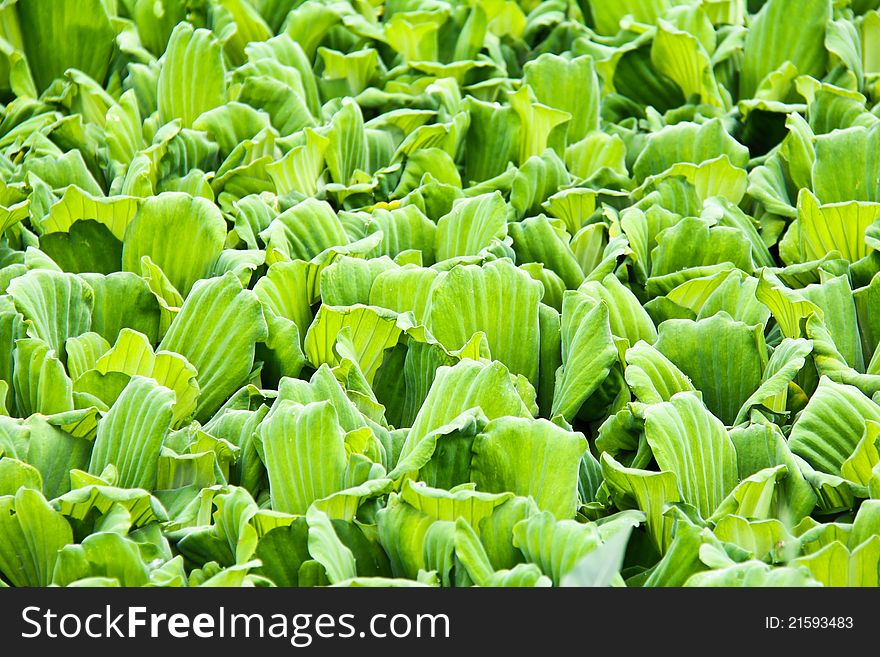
[439, 292]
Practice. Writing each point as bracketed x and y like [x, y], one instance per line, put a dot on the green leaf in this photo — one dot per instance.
[83, 352]
[15, 474]
[344, 505]
[288, 290]
[301, 166]
[540, 240]
[753, 574]
[403, 229]
[421, 361]
[754, 496]
[831, 426]
[535, 181]
[57, 444]
[303, 231]
[40, 382]
[845, 166]
[290, 438]
[679, 55]
[87, 46]
[168, 220]
[652, 377]
[371, 331]
[104, 555]
[688, 142]
[12, 214]
[192, 54]
[608, 16]
[87, 247]
[715, 177]
[682, 560]
[822, 229]
[588, 352]
[833, 494]
[496, 532]
[868, 326]
[626, 316]
[282, 552]
[538, 122]
[764, 539]
[220, 348]
[471, 553]
[491, 142]
[124, 129]
[239, 23]
[705, 462]
[405, 289]
[166, 294]
[530, 458]
[724, 359]
[771, 41]
[75, 205]
[33, 533]
[472, 226]
[569, 85]
[493, 293]
[414, 35]
[231, 539]
[347, 146]
[402, 531]
[836, 565]
[123, 300]
[592, 154]
[131, 434]
[466, 385]
[550, 358]
[555, 546]
[347, 281]
[834, 297]
[789, 308]
[58, 306]
[328, 550]
[83, 504]
[859, 467]
[642, 489]
[735, 296]
[601, 567]
[787, 360]
[133, 355]
[470, 505]
[706, 245]
[413, 521]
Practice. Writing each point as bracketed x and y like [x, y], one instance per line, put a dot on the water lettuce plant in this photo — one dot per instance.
[439, 292]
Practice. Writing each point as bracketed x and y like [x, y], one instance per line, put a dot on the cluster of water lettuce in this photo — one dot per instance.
[443, 293]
